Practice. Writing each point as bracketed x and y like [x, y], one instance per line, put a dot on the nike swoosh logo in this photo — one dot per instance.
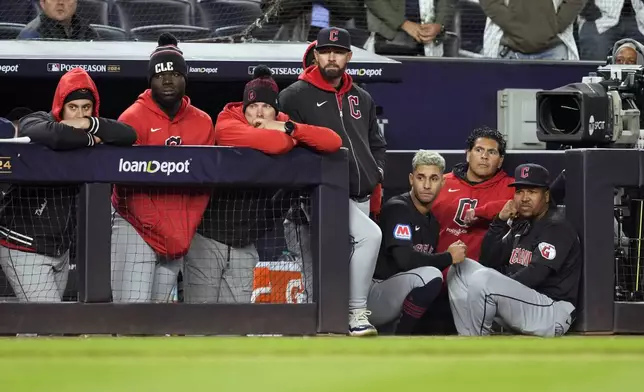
[417, 228]
[453, 190]
[154, 129]
[321, 103]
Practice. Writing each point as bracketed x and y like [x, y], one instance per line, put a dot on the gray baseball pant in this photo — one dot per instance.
[139, 274]
[298, 243]
[215, 272]
[366, 237]
[34, 277]
[386, 297]
[480, 295]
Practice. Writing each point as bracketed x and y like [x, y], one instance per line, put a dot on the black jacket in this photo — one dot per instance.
[41, 218]
[543, 254]
[351, 113]
[45, 27]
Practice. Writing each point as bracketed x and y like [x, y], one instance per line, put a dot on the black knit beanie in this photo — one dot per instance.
[167, 57]
[262, 88]
[82, 93]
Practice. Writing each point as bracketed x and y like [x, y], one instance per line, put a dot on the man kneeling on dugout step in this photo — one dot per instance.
[408, 275]
[528, 276]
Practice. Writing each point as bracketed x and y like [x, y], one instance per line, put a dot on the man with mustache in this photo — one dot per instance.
[408, 275]
[153, 227]
[326, 96]
[530, 266]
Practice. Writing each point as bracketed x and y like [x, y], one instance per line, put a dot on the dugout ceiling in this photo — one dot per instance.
[206, 61]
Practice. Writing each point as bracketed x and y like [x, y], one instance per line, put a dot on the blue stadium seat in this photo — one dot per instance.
[223, 13]
[94, 11]
[17, 11]
[10, 30]
[182, 32]
[138, 13]
[110, 33]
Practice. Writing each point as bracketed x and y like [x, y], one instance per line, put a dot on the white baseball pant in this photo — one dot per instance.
[34, 277]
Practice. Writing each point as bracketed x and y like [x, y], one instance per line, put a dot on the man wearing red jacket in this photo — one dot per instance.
[474, 192]
[152, 228]
[37, 222]
[219, 266]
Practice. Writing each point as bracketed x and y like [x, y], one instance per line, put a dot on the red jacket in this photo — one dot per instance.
[457, 196]
[232, 129]
[165, 218]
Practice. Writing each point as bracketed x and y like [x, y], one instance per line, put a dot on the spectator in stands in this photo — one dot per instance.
[603, 22]
[325, 95]
[628, 51]
[408, 276]
[219, 266]
[37, 222]
[531, 29]
[152, 228]
[475, 191]
[408, 27]
[58, 20]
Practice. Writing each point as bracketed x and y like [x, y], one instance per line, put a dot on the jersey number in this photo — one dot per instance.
[464, 205]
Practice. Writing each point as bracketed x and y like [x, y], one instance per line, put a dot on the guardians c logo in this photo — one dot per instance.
[173, 141]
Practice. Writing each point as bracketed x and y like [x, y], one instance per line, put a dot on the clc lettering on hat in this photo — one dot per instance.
[164, 67]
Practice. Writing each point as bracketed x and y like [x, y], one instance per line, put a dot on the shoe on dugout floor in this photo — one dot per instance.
[359, 324]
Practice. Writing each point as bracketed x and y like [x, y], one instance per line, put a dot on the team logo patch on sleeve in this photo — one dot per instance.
[547, 250]
[402, 232]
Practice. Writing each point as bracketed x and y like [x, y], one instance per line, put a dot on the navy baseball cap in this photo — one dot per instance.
[334, 37]
[531, 175]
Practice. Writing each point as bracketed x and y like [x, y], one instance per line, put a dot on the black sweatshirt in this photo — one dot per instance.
[542, 254]
[409, 239]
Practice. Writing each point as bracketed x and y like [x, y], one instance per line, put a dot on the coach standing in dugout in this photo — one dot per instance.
[38, 222]
[530, 267]
[325, 96]
[153, 227]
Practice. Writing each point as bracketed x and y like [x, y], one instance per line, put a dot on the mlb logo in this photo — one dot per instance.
[402, 232]
[53, 67]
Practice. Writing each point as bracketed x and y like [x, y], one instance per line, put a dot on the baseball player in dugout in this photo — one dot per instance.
[474, 192]
[152, 227]
[408, 272]
[527, 278]
[219, 266]
[37, 222]
[325, 95]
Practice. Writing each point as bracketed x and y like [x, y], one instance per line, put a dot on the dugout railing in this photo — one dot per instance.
[95, 169]
[591, 178]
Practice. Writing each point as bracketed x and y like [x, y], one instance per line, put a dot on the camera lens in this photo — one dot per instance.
[560, 114]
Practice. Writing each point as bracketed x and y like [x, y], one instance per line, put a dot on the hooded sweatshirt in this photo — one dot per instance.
[351, 113]
[457, 196]
[41, 219]
[165, 217]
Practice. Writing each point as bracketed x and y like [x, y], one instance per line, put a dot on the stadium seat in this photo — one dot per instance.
[10, 30]
[229, 30]
[225, 13]
[138, 13]
[94, 11]
[15, 11]
[182, 32]
[469, 25]
[110, 33]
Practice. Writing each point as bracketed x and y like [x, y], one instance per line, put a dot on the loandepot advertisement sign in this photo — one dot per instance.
[154, 167]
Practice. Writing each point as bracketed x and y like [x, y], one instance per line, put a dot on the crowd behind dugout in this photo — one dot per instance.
[509, 29]
[472, 251]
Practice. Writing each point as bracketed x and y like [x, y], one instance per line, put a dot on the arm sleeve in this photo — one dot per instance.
[320, 138]
[568, 12]
[41, 129]
[553, 245]
[377, 141]
[129, 117]
[446, 10]
[234, 133]
[288, 104]
[500, 14]
[402, 250]
[28, 33]
[112, 131]
[490, 210]
[383, 10]
[497, 245]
